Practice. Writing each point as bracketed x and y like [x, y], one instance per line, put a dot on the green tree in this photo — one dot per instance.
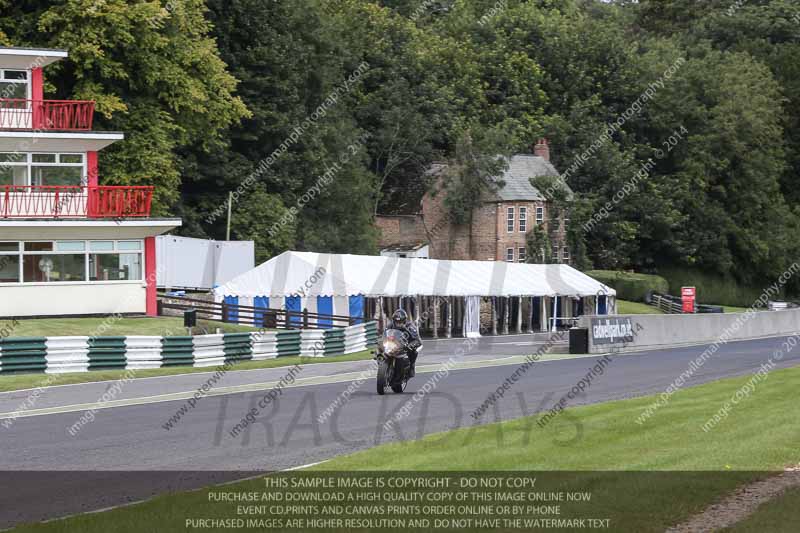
[154, 72]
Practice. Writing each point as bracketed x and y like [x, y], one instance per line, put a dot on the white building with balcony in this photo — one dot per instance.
[68, 245]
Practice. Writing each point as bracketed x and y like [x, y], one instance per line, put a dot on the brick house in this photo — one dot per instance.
[499, 226]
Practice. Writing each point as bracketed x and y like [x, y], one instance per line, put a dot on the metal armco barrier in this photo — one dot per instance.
[82, 354]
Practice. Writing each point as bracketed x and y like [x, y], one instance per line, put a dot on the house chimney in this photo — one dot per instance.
[542, 149]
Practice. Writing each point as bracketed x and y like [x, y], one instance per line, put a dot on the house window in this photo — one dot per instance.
[556, 257]
[523, 219]
[71, 261]
[510, 220]
[42, 169]
[539, 215]
[521, 255]
[13, 86]
[566, 254]
[510, 255]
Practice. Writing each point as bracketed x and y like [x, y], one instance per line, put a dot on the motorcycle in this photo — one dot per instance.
[393, 362]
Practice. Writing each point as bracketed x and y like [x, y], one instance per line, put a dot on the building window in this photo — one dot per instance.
[556, 257]
[539, 215]
[510, 220]
[48, 268]
[71, 261]
[115, 267]
[523, 219]
[510, 255]
[9, 262]
[566, 254]
[42, 169]
[13, 86]
[521, 255]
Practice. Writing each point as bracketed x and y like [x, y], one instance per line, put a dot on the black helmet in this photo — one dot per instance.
[399, 318]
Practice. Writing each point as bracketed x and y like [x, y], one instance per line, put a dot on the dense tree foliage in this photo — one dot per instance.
[154, 72]
[675, 122]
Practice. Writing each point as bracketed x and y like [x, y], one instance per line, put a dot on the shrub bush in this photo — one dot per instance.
[629, 285]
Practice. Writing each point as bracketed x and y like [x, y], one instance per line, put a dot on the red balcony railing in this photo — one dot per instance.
[51, 201]
[61, 115]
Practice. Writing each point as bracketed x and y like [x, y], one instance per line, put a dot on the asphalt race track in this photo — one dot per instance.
[95, 465]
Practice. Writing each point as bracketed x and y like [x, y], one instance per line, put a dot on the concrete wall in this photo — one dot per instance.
[665, 331]
[72, 299]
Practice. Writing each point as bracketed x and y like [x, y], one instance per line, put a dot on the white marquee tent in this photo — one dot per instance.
[340, 283]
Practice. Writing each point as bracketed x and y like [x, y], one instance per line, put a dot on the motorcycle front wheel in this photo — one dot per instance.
[400, 385]
[384, 374]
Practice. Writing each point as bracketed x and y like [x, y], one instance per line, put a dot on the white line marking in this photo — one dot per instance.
[256, 387]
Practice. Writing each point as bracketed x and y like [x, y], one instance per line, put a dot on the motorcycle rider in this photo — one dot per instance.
[401, 322]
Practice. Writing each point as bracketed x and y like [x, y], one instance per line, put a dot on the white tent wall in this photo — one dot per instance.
[525, 295]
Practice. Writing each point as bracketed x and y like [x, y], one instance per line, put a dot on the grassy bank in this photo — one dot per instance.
[12, 382]
[111, 327]
[625, 307]
[760, 434]
[781, 515]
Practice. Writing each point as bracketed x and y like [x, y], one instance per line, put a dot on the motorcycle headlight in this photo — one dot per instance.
[390, 346]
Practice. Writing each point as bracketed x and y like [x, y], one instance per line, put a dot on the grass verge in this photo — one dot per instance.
[14, 382]
[111, 327]
[758, 435]
[624, 307]
[781, 515]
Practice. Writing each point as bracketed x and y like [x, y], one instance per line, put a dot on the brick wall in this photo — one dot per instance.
[516, 239]
[488, 240]
[399, 229]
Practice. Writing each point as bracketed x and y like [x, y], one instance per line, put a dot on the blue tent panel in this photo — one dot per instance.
[260, 302]
[602, 306]
[357, 309]
[293, 304]
[325, 307]
[233, 312]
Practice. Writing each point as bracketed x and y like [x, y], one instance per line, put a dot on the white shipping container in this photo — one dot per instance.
[186, 263]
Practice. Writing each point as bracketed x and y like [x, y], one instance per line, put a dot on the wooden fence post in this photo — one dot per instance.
[225, 312]
[305, 318]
